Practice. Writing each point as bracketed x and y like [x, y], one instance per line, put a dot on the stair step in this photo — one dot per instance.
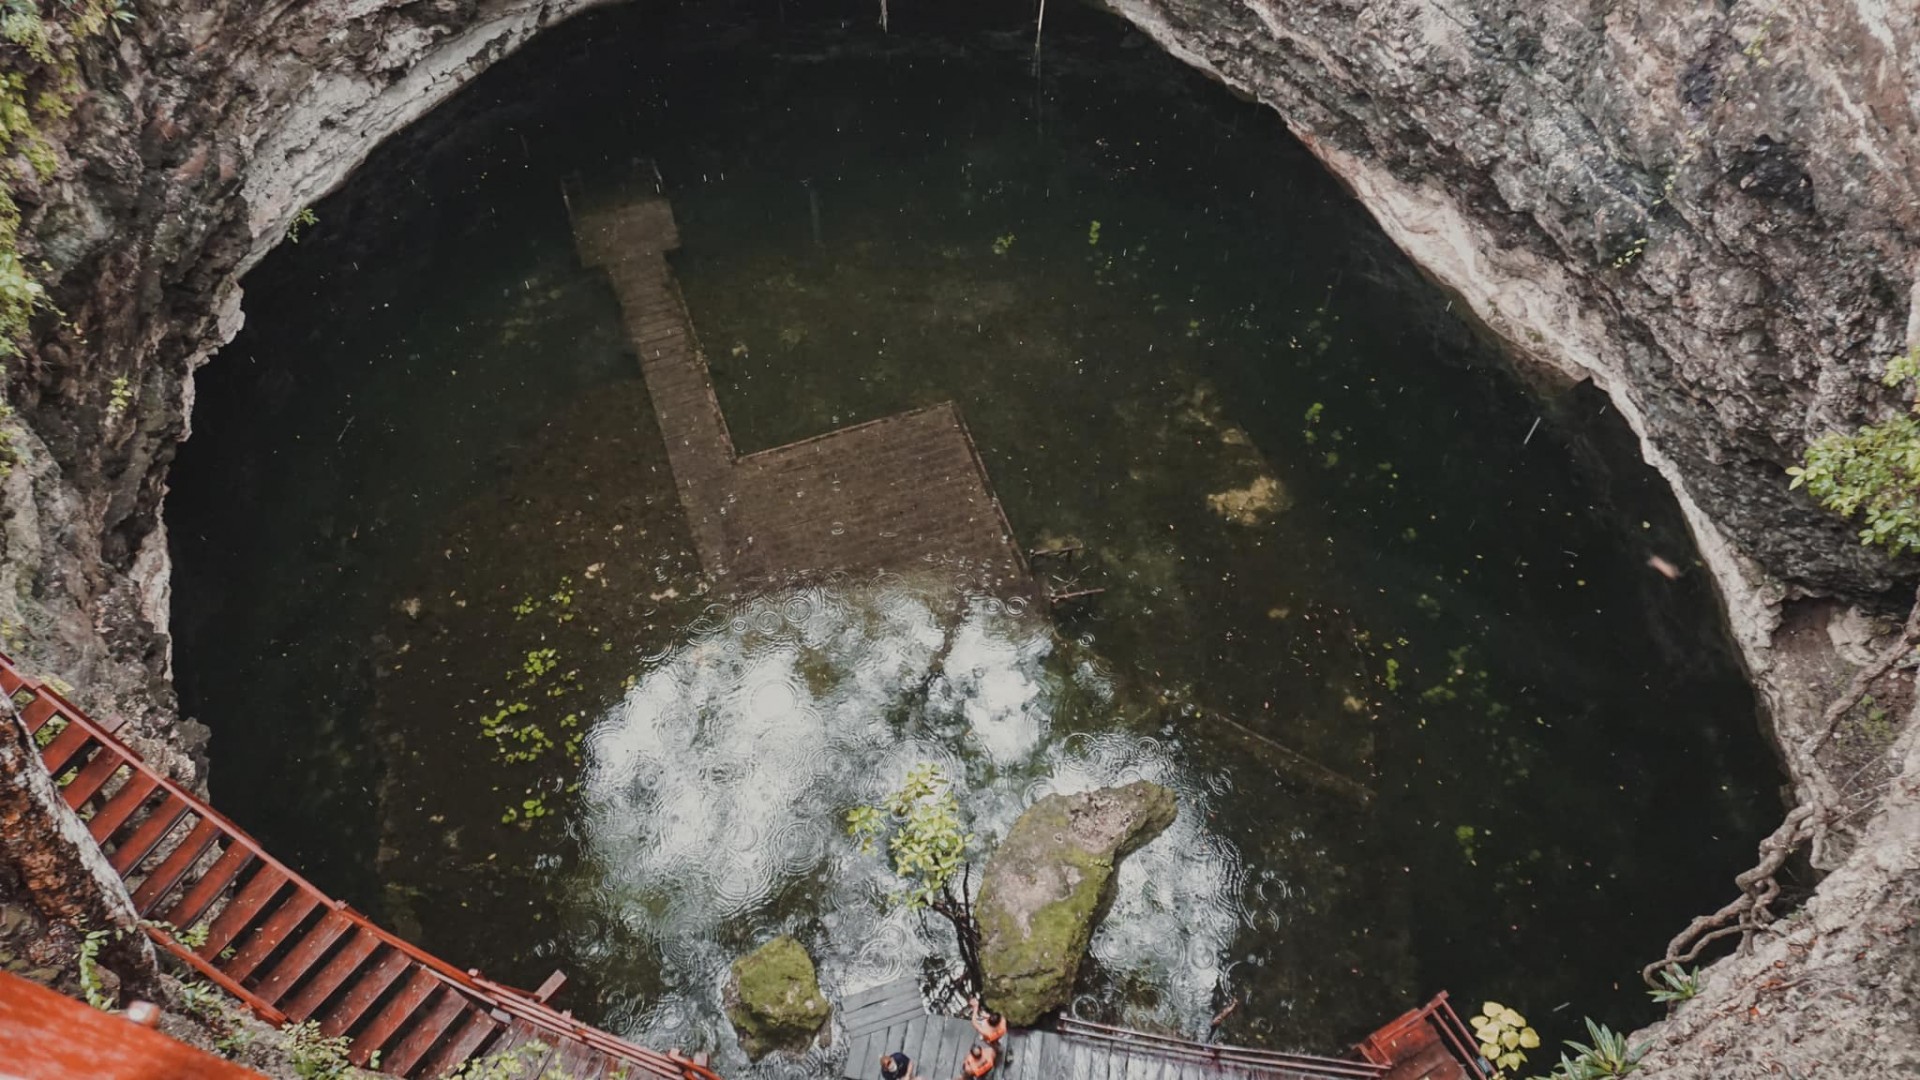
[272, 933]
[367, 987]
[161, 880]
[431, 1027]
[346, 964]
[37, 712]
[93, 777]
[248, 906]
[208, 889]
[391, 1017]
[148, 835]
[301, 958]
[466, 1042]
[64, 746]
[121, 807]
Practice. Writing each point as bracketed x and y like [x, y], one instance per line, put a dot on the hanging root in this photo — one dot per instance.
[1865, 677]
[1751, 911]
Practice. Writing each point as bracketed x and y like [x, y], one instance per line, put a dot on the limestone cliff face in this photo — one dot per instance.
[208, 125]
[1713, 213]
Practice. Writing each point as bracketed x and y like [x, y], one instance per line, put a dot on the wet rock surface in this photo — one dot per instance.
[774, 999]
[1048, 885]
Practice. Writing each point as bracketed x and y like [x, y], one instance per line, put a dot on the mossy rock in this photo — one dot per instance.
[774, 1000]
[1048, 886]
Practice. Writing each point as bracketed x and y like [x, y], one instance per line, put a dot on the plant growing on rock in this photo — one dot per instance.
[1608, 1055]
[1678, 984]
[1873, 472]
[929, 848]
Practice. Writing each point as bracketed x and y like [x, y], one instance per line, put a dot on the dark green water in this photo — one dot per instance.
[425, 507]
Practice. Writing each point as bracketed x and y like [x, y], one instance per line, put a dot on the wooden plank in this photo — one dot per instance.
[410, 1001]
[862, 998]
[347, 963]
[292, 967]
[366, 988]
[121, 807]
[530, 1047]
[881, 1017]
[65, 746]
[576, 1060]
[161, 880]
[208, 889]
[93, 777]
[948, 1045]
[911, 1037]
[862, 1060]
[148, 835]
[35, 714]
[429, 1029]
[247, 907]
[467, 1041]
[273, 932]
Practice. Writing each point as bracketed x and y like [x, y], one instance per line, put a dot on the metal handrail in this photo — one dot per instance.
[1245, 1055]
[494, 995]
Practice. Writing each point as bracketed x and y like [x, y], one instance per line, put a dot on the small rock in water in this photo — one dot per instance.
[1249, 505]
[774, 999]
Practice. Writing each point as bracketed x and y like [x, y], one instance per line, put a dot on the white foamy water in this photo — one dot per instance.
[715, 796]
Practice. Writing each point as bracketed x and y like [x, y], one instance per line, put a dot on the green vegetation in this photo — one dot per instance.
[1874, 472]
[39, 81]
[315, 1056]
[89, 962]
[929, 845]
[305, 219]
[505, 1065]
[1608, 1055]
[1504, 1036]
[1680, 985]
[119, 396]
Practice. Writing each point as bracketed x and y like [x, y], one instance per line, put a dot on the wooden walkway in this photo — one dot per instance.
[282, 946]
[892, 1018]
[907, 491]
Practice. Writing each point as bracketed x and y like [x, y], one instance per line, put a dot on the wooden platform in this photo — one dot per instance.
[900, 493]
[277, 943]
[892, 1018]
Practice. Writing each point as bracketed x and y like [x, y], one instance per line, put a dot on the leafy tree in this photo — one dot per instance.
[920, 823]
[1873, 472]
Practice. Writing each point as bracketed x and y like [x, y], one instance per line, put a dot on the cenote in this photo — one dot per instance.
[426, 512]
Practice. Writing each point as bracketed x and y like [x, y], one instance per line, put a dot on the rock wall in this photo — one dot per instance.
[208, 125]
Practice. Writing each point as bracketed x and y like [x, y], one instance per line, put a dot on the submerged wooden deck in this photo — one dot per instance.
[283, 947]
[904, 492]
[892, 1018]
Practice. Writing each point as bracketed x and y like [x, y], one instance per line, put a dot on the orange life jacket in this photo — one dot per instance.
[990, 1033]
[980, 1064]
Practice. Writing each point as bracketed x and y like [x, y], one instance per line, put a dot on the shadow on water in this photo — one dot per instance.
[436, 598]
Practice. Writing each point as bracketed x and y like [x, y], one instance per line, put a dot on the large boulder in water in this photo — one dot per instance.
[774, 1000]
[1050, 884]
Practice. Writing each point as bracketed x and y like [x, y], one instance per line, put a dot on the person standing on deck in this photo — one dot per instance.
[897, 1066]
[980, 1061]
[991, 1025]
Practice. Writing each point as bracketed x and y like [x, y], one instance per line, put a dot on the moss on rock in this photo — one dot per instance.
[1050, 883]
[774, 999]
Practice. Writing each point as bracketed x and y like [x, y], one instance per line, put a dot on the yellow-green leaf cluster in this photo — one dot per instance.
[928, 842]
[1504, 1036]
